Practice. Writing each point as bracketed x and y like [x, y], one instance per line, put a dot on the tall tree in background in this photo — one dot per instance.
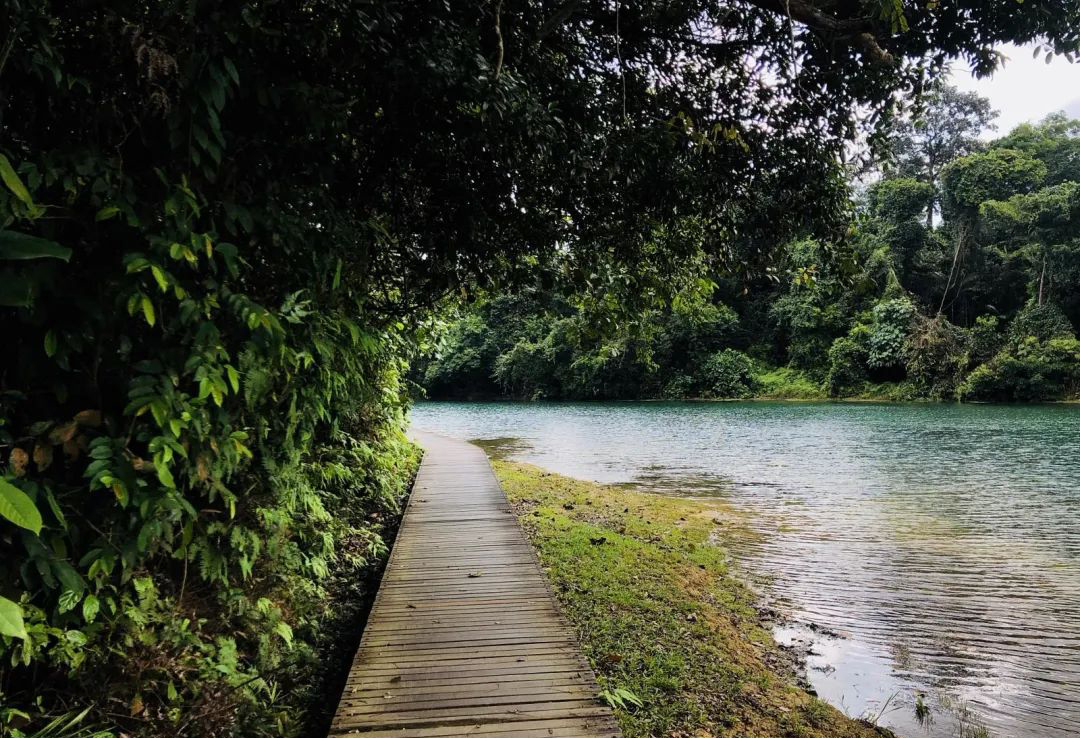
[948, 127]
[1055, 141]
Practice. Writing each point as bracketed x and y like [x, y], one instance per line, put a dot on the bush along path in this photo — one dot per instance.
[670, 629]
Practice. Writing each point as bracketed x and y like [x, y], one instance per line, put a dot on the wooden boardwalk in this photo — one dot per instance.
[465, 637]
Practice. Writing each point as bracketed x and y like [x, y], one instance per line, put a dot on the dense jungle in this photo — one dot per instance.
[233, 236]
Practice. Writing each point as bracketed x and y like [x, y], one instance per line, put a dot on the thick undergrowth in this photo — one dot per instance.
[201, 407]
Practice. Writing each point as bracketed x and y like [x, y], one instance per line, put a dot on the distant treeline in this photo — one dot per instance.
[959, 279]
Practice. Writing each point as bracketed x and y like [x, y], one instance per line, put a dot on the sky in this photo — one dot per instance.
[1024, 89]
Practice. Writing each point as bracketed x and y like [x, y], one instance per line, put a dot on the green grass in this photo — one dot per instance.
[784, 383]
[646, 582]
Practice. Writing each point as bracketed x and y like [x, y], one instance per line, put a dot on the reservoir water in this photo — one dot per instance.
[926, 552]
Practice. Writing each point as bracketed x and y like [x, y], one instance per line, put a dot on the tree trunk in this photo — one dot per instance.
[1042, 277]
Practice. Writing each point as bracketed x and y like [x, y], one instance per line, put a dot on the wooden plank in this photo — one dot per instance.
[464, 637]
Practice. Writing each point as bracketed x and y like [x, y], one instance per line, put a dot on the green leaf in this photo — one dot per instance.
[11, 619]
[283, 630]
[148, 310]
[76, 638]
[629, 696]
[69, 600]
[18, 508]
[201, 137]
[71, 579]
[105, 213]
[50, 344]
[11, 179]
[159, 277]
[165, 476]
[90, 608]
[21, 246]
[234, 378]
[55, 507]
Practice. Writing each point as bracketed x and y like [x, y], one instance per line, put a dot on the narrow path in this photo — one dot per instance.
[465, 637]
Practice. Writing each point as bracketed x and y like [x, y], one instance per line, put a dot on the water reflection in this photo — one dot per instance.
[936, 549]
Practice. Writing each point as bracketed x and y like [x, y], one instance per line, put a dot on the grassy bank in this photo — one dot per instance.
[647, 583]
[784, 383]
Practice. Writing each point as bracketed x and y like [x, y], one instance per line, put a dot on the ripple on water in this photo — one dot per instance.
[941, 544]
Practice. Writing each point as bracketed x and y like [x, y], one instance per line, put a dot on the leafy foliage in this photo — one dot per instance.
[189, 389]
[947, 127]
[221, 227]
[900, 310]
[729, 373]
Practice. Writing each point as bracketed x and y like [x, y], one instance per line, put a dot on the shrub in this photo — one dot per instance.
[986, 338]
[847, 362]
[1042, 322]
[1036, 371]
[936, 355]
[462, 367]
[678, 387]
[728, 373]
[885, 340]
[787, 383]
[526, 370]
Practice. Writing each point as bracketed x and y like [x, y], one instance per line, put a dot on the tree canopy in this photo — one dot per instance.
[982, 306]
[222, 226]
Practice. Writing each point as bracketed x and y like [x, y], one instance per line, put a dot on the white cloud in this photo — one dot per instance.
[1025, 88]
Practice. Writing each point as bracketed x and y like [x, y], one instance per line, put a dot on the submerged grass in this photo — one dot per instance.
[648, 585]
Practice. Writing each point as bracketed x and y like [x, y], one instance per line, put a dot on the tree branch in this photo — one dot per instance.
[858, 32]
[499, 38]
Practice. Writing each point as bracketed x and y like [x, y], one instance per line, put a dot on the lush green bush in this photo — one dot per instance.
[679, 387]
[888, 332]
[464, 364]
[728, 374]
[986, 338]
[788, 384]
[527, 370]
[201, 412]
[1037, 370]
[1042, 322]
[936, 357]
[847, 362]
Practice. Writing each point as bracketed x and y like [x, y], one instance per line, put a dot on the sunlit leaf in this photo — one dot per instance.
[148, 310]
[17, 507]
[11, 619]
[11, 179]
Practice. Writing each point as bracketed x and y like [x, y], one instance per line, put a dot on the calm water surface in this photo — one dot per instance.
[936, 549]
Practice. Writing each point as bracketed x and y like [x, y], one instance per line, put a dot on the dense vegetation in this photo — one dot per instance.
[958, 279]
[222, 226]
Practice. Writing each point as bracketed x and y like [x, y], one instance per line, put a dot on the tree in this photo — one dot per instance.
[222, 226]
[897, 206]
[1045, 225]
[948, 126]
[1055, 141]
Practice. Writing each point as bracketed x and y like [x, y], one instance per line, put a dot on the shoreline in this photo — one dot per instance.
[662, 611]
[758, 398]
